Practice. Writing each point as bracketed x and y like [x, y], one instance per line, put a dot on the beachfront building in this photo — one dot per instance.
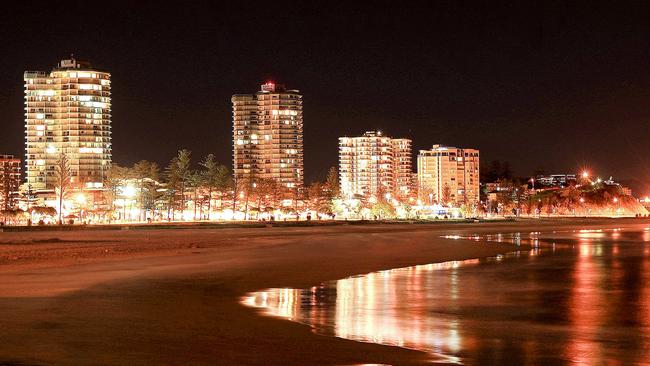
[9, 181]
[448, 175]
[268, 136]
[67, 111]
[373, 165]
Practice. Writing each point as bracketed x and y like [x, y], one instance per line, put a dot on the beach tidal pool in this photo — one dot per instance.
[580, 297]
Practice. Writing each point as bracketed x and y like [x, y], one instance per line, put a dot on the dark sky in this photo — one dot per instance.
[546, 86]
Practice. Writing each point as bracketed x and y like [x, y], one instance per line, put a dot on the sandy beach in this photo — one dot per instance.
[172, 297]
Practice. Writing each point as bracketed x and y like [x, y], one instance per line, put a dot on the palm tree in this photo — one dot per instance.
[63, 181]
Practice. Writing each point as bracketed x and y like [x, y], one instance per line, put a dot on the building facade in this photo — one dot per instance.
[67, 111]
[268, 136]
[555, 180]
[9, 181]
[373, 164]
[448, 175]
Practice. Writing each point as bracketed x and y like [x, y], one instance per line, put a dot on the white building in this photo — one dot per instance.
[67, 111]
[374, 164]
[268, 135]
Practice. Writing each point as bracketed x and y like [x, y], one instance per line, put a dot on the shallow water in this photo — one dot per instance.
[578, 297]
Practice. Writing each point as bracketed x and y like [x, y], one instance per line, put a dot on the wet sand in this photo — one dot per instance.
[171, 297]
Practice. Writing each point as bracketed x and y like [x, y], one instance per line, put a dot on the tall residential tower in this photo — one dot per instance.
[267, 136]
[449, 175]
[374, 164]
[67, 111]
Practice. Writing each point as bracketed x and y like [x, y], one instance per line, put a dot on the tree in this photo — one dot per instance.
[146, 174]
[319, 197]
[243, 190]
[196, 183]
[445, 195]
[332, 183]
[63, 181]
[383, 210]
[427, 195]
[469, 209]
[216, 177]
[178, 177]
[267, 193]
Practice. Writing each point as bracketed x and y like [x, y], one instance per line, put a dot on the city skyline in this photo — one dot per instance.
[419, 90]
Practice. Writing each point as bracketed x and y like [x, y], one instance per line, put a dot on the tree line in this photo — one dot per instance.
[209, 186]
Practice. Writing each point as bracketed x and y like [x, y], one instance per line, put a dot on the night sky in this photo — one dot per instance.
[553, 87]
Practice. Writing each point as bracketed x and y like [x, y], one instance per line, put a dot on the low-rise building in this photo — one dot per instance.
[555, 180]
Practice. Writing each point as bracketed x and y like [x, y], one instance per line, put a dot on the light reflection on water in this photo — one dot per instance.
[577, 297]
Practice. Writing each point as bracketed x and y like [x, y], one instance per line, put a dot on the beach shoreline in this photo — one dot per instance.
[173, 296]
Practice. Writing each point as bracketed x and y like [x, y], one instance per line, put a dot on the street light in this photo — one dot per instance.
[80, 198]
[129, 191]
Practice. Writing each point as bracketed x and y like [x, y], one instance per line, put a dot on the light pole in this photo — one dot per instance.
[532, 181]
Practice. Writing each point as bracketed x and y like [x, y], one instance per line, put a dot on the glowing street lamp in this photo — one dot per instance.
[585, 174]
[129, 191]
[80, 198]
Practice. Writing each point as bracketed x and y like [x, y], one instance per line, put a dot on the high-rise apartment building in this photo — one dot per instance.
[373, 164]
[9, 180]
[267, 136]
[67, 111]
[448, 175]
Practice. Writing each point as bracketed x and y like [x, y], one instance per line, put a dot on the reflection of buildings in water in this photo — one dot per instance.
[368, 308]
[586, 303]
[609, 297]
[371, 308]
[644, 303]
[594, 292]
